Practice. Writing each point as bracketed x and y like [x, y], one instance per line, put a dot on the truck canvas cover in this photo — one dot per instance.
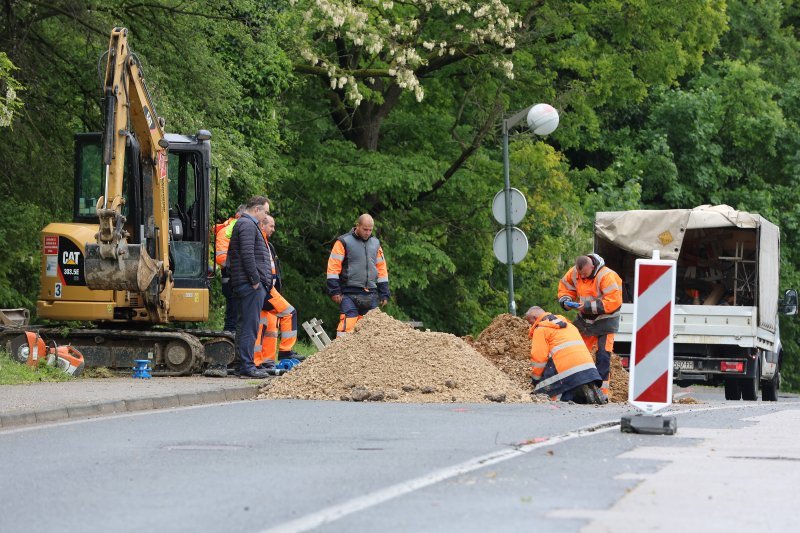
[642, 231]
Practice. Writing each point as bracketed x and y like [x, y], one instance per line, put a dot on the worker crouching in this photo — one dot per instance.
[561, 365]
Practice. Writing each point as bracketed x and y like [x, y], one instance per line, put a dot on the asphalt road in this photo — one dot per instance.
[345, 467]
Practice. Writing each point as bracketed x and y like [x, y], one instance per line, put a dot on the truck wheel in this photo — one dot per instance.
[769, 389]
[732, 389]
[749, 388]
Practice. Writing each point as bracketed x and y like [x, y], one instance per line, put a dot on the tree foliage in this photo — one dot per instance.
[337, 107]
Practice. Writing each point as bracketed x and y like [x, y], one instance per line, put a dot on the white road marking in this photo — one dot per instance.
[335, 512]
[371, 499]
[746, 481]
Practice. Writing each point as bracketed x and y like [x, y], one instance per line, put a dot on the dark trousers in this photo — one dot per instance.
[358, 304]
[231, 307]
[603, 362]
[250, 301]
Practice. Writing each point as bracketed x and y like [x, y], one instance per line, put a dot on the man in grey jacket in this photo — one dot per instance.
[251, 273]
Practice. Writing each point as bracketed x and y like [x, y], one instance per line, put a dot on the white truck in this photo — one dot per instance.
[727, 299]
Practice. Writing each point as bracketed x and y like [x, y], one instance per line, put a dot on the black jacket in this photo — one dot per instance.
[248, 258]
[278, 275]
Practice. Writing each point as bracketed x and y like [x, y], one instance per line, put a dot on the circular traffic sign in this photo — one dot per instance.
[519, 246]
[519, 206]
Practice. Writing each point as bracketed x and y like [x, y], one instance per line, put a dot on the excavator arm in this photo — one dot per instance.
[112, 263]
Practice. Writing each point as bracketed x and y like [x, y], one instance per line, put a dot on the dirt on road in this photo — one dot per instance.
[384, 359]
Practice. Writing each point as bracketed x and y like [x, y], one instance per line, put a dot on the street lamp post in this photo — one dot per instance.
[542, 120]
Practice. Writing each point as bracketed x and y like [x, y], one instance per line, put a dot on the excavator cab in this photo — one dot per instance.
[64, 292]
[188, 175]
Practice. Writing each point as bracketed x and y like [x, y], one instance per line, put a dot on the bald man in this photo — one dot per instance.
[561, 365]
[358, 279]
[277, 315]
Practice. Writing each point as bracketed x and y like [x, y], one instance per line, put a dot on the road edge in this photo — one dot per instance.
[167, 401]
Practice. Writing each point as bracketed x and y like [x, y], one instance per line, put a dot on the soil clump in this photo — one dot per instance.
[686, 400]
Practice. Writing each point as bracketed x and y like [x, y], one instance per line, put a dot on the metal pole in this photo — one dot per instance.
[512, 305]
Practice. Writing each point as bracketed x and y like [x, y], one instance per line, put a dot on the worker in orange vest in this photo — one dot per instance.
[595, 291]
[222, 233]
[561, 365]
[358, 279]
[278, 315]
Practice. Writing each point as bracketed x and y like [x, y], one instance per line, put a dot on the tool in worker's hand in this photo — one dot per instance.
[572, 305]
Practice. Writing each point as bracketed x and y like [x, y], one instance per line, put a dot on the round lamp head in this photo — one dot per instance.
[543, 119]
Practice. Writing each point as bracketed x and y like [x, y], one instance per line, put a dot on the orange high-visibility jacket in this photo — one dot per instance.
[223, 240]
[555, 340]
[601, 294]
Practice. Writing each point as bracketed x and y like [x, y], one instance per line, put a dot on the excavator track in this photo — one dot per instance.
[172, 352]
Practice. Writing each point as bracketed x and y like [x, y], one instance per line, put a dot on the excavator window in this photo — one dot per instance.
[188, 201]
[91, 186]
[188, 251]
[90, 179]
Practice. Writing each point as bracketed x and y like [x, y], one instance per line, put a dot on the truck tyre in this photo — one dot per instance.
[769, 389]
[749, 386]
[732, 389]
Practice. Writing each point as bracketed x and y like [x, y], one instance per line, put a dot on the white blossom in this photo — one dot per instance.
[387, 35]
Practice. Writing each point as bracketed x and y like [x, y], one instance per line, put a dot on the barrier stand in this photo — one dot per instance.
[315, 332]
[650, 386]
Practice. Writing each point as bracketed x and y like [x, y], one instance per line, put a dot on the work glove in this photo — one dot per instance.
[564, 301]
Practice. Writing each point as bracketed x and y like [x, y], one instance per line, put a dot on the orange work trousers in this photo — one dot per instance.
[277, 317]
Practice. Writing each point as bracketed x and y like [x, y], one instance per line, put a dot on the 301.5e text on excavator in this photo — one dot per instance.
[134, 260]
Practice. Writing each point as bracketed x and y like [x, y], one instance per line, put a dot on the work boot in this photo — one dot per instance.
[256, 373]
[291, 354]
[268, 364]
[593, 395]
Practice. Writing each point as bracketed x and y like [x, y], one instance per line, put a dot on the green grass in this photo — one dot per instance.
[305, 348]
[14, 373]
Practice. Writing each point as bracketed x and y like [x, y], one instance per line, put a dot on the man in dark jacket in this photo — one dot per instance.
[251, 276]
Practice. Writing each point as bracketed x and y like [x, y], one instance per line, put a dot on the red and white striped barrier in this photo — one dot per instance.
[650, 386]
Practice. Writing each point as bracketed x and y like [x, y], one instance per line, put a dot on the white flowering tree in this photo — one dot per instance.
[369, 52]
[9, 101]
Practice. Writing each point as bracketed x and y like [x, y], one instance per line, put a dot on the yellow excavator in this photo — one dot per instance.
[135, 258]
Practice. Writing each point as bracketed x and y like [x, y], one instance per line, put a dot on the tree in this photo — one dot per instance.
[10, 104]
[369, 53]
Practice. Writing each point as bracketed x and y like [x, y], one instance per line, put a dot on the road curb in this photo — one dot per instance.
[244, 392]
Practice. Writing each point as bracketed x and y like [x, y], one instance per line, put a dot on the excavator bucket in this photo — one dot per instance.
[132, 270]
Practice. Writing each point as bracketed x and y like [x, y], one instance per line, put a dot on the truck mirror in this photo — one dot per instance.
[789, 306]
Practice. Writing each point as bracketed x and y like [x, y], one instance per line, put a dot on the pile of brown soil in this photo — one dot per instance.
[387, 360]
[505, 343]
[619, 381]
